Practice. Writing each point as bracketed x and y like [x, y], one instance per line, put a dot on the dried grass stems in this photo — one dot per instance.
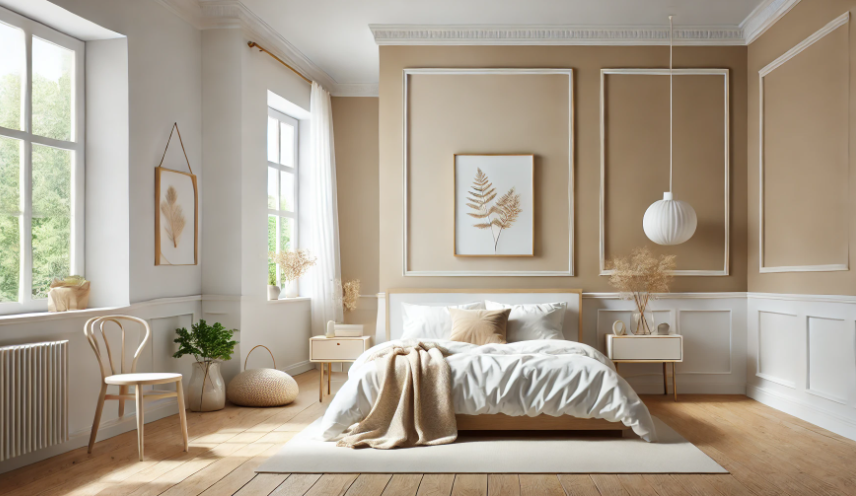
[640, 278]
[347, 293]
[293, 263]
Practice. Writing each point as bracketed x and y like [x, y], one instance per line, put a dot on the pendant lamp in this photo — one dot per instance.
[669, 221]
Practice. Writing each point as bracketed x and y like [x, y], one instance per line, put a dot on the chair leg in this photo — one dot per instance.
[182, 415]
[97, 422]
[123, 390]
[138, 391]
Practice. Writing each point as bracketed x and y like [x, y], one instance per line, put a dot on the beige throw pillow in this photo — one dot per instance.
[479, 326]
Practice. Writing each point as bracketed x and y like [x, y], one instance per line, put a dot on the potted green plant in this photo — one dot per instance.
[209, 345]
[273, 289]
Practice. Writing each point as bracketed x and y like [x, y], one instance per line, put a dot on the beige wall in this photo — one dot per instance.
[809, 173]
[355, 132]
[488, 134]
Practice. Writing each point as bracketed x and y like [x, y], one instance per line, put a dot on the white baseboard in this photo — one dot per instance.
[805, 411]
[299, 368]
[108, 429]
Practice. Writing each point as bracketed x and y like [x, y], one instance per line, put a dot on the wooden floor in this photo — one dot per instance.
[766, 451]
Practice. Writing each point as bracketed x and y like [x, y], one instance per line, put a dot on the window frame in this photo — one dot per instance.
[295, 172]
[30, 28]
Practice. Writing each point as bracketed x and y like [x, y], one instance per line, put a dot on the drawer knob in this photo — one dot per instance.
[337, 344]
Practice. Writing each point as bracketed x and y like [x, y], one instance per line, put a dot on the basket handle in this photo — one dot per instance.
[260, 346]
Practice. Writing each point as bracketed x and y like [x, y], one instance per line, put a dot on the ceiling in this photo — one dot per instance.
[332, 41]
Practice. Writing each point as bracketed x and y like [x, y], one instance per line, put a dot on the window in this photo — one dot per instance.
[282, 139]
[41, 161]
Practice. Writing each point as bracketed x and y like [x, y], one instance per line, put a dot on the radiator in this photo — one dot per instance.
[33, 397]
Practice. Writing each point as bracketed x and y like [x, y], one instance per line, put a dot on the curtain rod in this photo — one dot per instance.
[253, 44]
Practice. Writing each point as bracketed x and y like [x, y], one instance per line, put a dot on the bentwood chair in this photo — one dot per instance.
[109, 377]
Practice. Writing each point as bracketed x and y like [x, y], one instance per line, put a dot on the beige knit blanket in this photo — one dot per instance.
[414, 406]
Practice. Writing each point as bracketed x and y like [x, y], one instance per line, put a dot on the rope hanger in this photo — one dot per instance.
[175, 129]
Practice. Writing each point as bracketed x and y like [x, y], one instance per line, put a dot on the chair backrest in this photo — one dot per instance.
[96, 325]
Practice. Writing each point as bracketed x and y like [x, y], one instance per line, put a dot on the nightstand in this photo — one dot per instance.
[652, 348]
[327, 351]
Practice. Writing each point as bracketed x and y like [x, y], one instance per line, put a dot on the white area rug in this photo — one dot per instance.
[515, 453]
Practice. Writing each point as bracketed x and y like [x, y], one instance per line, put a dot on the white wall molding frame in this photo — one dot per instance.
[726, 165]
[405, 166]
[763, 17]
[432, 34]
[836, 23]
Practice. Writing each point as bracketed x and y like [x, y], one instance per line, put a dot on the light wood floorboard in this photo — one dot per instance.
[767, 453]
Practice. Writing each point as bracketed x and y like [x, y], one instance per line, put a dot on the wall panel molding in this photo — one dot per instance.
[836, 23]
[776, 334]
[705, 347]
[406, 165]
[827, 362]
[726, 166]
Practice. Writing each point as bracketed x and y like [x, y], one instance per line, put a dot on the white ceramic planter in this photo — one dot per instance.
[291, 289]
[273, 292]
[206, 392]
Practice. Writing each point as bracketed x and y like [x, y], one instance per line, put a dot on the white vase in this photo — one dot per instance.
[206, 391]
[291, 289]
[273, 292]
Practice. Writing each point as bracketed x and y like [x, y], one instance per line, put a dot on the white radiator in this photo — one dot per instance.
[33, 397]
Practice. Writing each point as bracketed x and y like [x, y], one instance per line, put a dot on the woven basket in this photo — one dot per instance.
[262, 387]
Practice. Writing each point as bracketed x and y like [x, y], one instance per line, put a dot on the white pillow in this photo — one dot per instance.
[432, 322]
[538, 321]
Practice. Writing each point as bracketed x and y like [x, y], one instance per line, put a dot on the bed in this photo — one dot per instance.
[528, 385]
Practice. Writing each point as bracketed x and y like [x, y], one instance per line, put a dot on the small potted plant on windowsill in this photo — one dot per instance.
[209, 345]
[273, 289]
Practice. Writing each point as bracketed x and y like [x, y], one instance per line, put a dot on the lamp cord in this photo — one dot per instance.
[671, 115]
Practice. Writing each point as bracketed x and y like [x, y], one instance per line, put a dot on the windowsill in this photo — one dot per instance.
[291, 300]
[21, 318]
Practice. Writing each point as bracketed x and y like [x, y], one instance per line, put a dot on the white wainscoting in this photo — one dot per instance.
[802, 357]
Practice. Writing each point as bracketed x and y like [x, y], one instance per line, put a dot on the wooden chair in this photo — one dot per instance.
[109, 377]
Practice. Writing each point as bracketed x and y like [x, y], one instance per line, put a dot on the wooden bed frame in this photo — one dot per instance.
[502, 422]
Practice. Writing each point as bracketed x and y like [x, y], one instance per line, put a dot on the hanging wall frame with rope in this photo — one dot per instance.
[176, 212]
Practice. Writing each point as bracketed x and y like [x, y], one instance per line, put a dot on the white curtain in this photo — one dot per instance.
[323, 228]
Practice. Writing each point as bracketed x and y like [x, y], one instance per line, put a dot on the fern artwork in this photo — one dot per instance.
[176, 207]
[494, 205]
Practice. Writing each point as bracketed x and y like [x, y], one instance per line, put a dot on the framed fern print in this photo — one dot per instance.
[494, 214]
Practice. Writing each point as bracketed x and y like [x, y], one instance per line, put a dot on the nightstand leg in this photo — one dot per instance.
[665, 380]
[321, 383]
[674, 382]
[329, 373]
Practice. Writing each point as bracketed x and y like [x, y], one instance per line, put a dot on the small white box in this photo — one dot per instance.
[349, 330]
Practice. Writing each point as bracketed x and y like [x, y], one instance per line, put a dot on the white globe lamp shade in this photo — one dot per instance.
[669, 221]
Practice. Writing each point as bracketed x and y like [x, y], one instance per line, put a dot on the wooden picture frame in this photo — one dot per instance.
[525, 194]
[172, 206]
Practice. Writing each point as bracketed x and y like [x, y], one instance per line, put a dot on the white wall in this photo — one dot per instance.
[165, 86]
[802, 357]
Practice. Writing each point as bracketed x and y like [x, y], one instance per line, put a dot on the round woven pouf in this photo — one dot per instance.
[262, 387]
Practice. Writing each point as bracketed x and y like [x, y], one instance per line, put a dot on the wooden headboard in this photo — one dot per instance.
[573, 327]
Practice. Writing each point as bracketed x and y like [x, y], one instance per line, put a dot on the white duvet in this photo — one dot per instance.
[552, 377]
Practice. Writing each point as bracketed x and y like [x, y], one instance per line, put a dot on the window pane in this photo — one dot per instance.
[51, 217]
[12, 65]
[271, 248]
[272, 198]
[286, 234]
[10, 262]
[53, 70]
[286, 191]
[10, 176]
[10, 237]
[272, 141]
[286, 132]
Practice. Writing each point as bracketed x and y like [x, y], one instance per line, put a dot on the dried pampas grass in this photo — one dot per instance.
[346, 293]
[640, 278]
[293, 263]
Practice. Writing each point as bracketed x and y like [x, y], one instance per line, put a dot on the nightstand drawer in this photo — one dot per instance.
[337, 349]
[645, 347]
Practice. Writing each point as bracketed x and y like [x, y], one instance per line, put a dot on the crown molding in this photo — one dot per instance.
[188, 10]
[764, 16]
[413, 34]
